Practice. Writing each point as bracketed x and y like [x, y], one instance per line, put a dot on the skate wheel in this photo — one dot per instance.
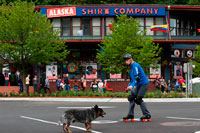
[143, 120]
[132, 120]
[149, 120]
[126, 120]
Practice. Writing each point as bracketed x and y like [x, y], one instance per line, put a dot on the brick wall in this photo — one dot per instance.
[116, 85]
[9, 89]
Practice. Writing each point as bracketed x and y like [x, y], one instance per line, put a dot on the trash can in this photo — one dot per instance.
[196, 88]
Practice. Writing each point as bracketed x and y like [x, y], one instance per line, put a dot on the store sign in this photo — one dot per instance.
[189, 53]
[177, 53]
[178, 71]
[91, 71]
[115, 76]
[51, 71]
[155, 72]
[61, 12]
[113, 11]
[72, 67]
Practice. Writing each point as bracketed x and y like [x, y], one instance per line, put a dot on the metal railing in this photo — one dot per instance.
[95, 33]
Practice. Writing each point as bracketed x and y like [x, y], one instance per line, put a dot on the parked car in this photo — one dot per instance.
[196, 80]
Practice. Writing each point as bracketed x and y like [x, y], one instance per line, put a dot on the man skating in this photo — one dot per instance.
[140, 80]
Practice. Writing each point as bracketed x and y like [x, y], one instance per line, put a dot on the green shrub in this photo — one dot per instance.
[157, 94]
[72, 93]
[1, 94]
[193, 96]
[63, 93]
[12, 94]
[53, 94]
[32, 95]
[91, 94]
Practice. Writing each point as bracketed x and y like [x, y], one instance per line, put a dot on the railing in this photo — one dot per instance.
[79, 33]
[95, 33]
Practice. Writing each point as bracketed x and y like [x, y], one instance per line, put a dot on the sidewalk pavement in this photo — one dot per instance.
[166, 100]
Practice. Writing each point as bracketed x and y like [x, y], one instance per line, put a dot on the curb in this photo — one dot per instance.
[122, 100]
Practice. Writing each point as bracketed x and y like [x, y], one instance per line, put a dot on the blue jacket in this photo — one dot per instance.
[136, 71]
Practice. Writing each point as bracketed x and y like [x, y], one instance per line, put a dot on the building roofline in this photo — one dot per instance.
[126, 5]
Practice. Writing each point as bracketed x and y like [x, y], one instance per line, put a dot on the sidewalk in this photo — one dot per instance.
[166, 100]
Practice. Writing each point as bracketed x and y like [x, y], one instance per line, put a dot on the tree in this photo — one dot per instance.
[197, 62]
[127, 37]
[26, 37]
[81, 2]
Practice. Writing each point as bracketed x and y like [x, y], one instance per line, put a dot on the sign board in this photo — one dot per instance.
[115, 76]
[51, 71]
[91, 71]
[102, 11]
[61, 12]
[155, 72]
[113, 11]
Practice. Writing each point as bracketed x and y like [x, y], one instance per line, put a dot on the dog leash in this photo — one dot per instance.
[112, 98]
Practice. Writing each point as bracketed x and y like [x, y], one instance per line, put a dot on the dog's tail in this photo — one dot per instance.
[61, 121]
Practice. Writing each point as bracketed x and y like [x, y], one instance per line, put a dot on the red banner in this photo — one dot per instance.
[115, 76]
[59, 12]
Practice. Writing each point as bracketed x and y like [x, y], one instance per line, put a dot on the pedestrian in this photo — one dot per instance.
[163, 85]
[66, 82]
[94, 85]
[178, 86]
[76, 86]
[2, 79]
[58, 81]
[27, 84]
[157, 83]
[182, 83]
[140, 80]
[20, 85]
[100, 86]
[35, 83]
[83, 82]
[47, 86]
[42, 83]
[169, 85]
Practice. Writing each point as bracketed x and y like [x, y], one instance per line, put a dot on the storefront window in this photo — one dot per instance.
[76, 27]
[96, 26]
[149, 23]
[66, 26]
[186, 27]
[180, 27]
[193, 28]
[108, 21]
[173, 27]
[86, 26]
[141, 21]
[159, 21]
[56, 24]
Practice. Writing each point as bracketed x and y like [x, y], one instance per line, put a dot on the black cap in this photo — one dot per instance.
[127, 56]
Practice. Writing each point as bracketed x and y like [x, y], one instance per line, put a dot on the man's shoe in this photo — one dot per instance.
[145, 117]
[128, 117]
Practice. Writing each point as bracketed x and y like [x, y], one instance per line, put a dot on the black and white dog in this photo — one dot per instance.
[82, 116]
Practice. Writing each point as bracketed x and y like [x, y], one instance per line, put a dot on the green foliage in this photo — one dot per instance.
[81, 2]
[72, 93]
[126, 37]
[63, 93]
[42, 93]
[27, 37]
[156, 94]
[196, 70]
[193, 96]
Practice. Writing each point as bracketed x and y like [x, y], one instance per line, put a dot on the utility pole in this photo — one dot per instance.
[188, 70]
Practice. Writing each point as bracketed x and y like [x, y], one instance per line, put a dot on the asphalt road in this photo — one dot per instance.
[42, 117]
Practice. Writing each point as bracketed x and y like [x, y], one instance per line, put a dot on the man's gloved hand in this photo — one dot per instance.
[131, 97]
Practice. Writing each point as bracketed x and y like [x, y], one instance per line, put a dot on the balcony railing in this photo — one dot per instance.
[95, 33]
